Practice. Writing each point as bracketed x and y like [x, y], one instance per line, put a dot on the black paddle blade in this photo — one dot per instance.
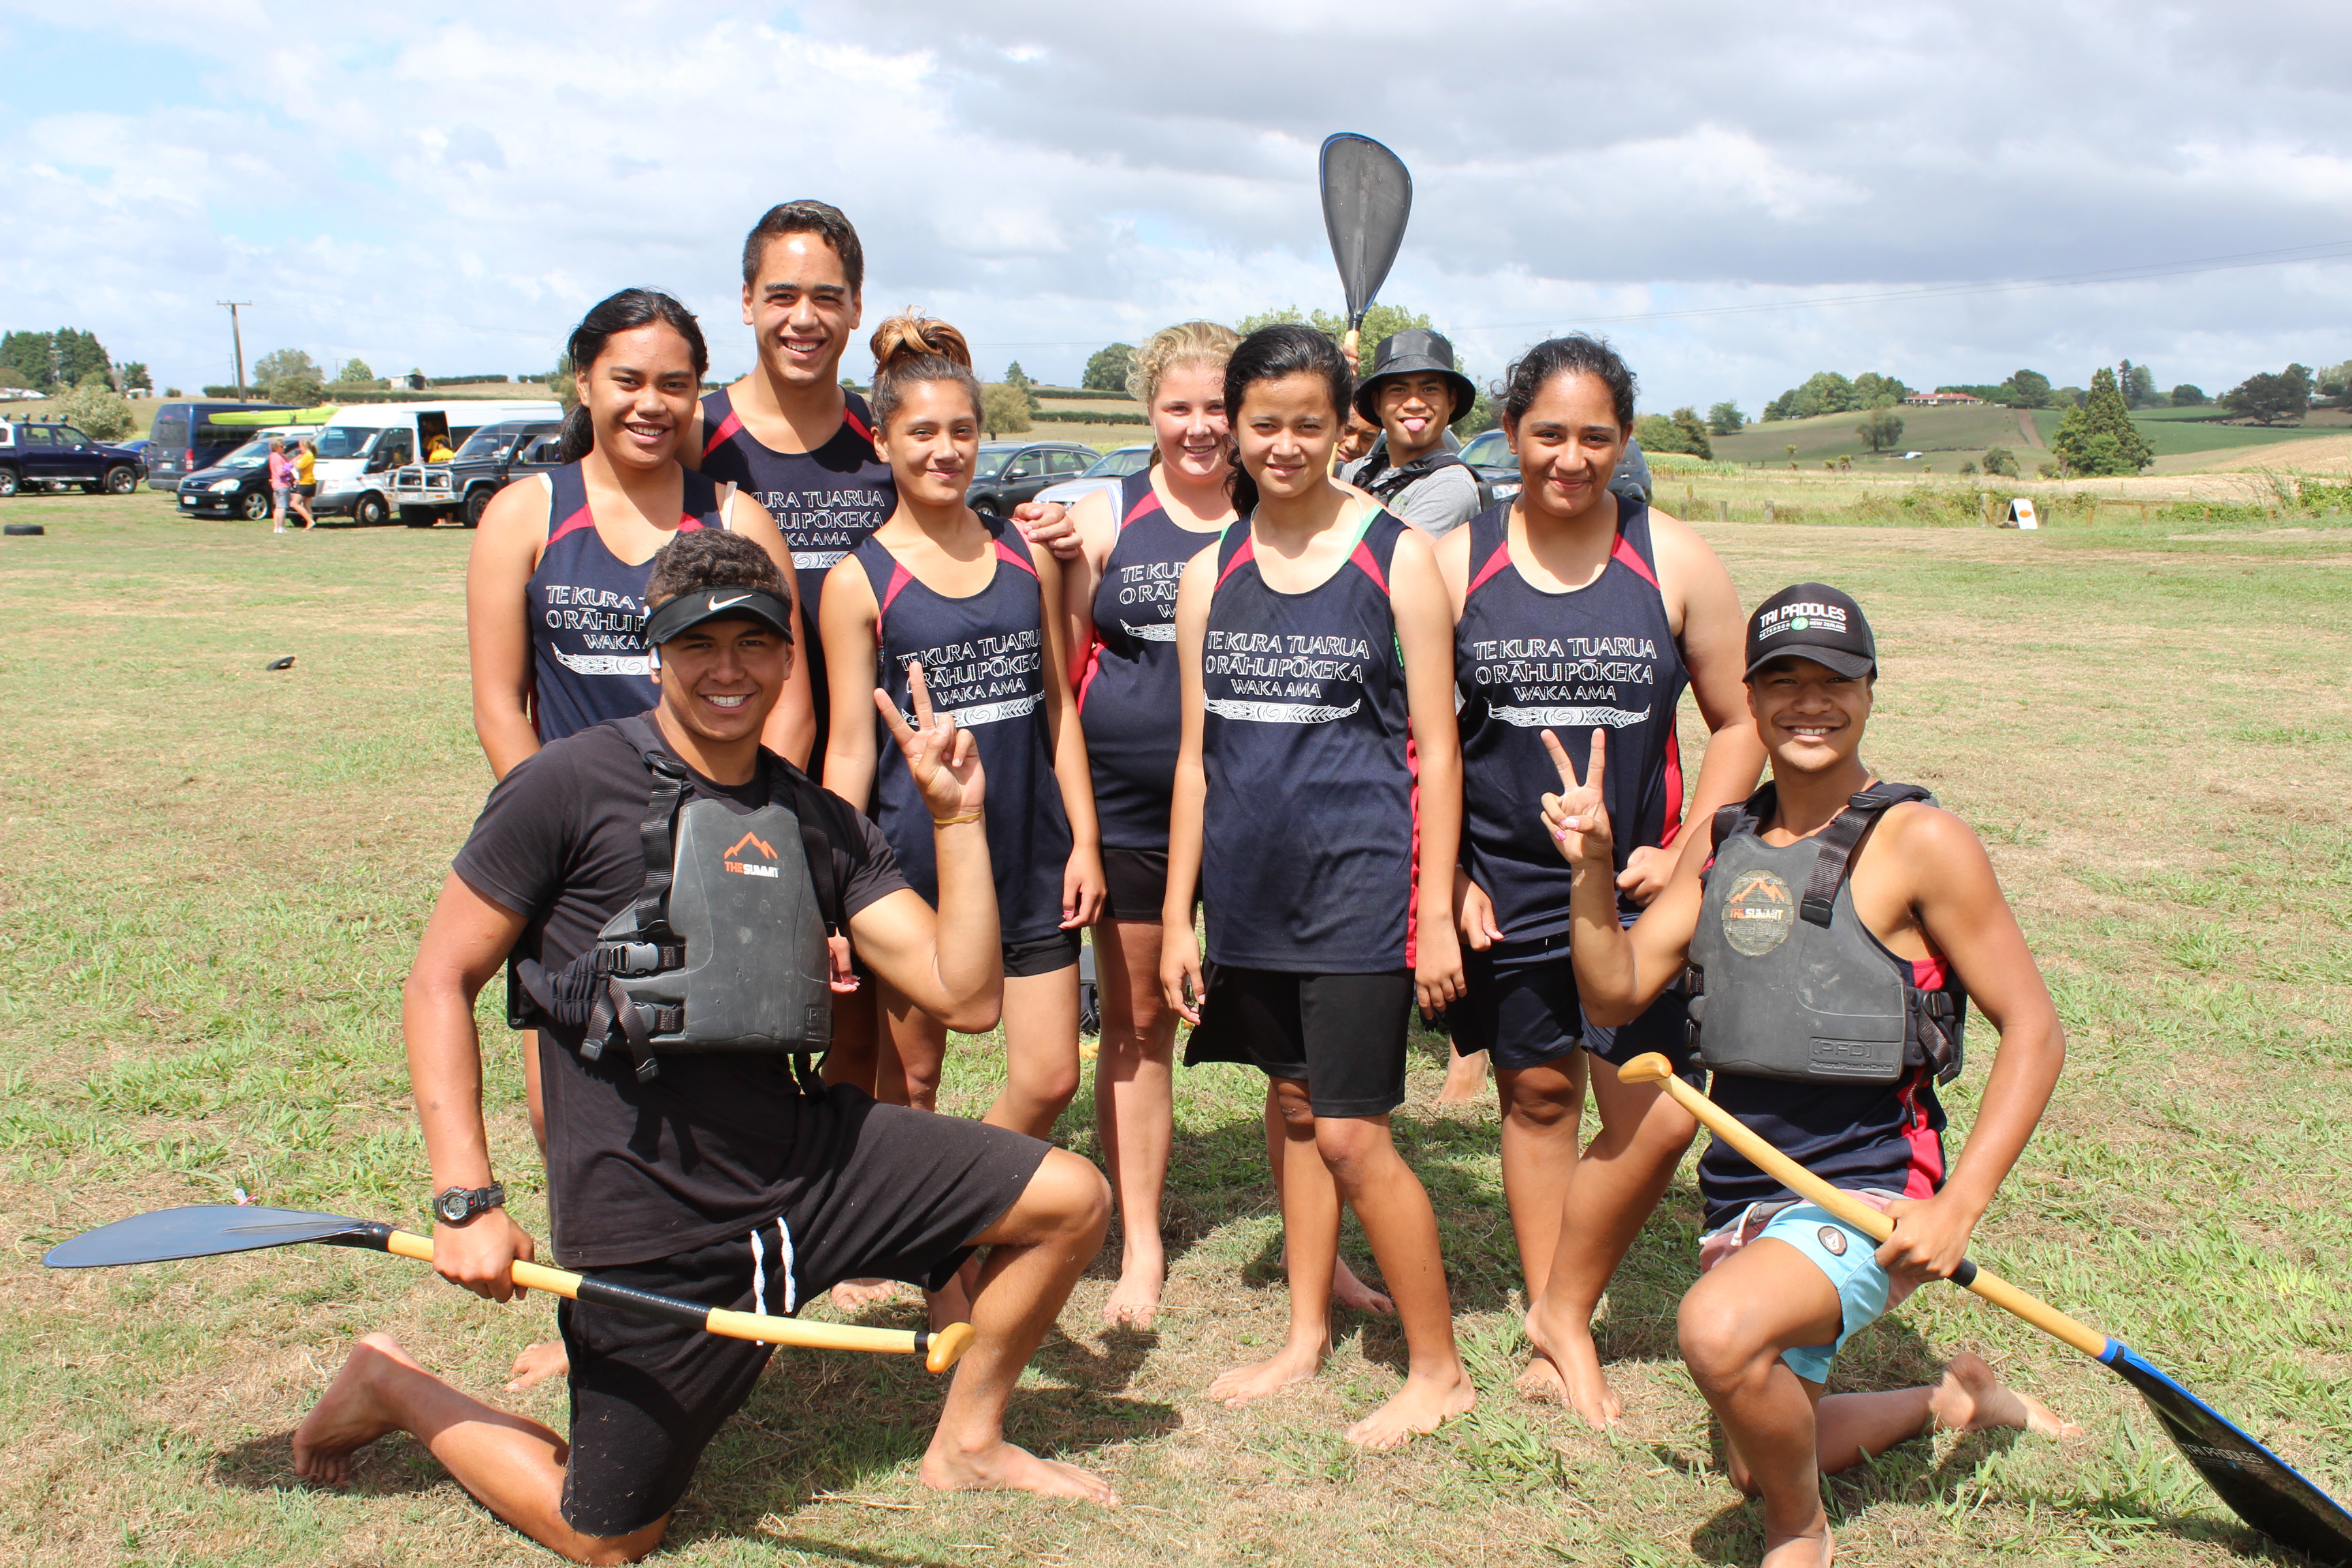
[207, 1231]
[1367, 197]
[2259, 1488]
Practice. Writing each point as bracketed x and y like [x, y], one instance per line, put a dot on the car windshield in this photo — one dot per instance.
[345, 440]
[252, 455]
[484, 445]
[1490, 448]
[992, 460]
[1119, 464]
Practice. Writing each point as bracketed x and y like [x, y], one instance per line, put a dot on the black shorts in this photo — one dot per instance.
[1041, 954]
[904, 1203]
[1341, 1034]
[306, 491]
[1136, 881]
[1522, 1008]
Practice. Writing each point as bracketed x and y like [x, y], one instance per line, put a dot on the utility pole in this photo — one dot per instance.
[237, 338]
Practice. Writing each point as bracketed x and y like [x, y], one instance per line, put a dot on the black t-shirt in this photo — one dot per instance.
[642, 1171]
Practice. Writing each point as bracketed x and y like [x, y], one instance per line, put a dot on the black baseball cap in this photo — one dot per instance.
[1812, 620]
[731, 602]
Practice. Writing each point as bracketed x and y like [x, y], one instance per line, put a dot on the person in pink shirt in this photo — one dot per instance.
[281, 482]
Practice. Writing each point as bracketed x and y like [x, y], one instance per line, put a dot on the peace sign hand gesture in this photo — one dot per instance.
[1578, 816]
[942, 759]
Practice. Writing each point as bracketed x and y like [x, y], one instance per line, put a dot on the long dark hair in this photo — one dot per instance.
[1575, 354]
[607, 319]
[1272, 353]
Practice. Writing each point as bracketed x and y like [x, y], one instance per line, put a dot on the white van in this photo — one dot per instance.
[362, 446]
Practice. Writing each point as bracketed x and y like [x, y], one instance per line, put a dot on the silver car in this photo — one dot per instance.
[1109, 468]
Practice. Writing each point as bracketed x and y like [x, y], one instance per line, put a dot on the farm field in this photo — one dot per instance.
[1950, 433]
[217, 874]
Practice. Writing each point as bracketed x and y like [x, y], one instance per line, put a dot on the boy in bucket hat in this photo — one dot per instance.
[1414, 394]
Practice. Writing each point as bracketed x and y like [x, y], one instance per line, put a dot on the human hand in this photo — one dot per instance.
[1647, 871]
[1474, 913]
[1048, 523]
[1437, 978]
[1931, 1238]
[480, 1255]
[1180, 972]
[1578, 816]
[941, 758]
[1084, 888]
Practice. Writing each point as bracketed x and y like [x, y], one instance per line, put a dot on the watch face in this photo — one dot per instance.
[452, 1207]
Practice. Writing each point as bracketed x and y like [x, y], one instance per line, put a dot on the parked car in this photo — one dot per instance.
[363, 446]
[1109, 468]
[187, 439]
[41, 454]
[492, 457]
[238, 485]
[1011, 472]
[1488, 453]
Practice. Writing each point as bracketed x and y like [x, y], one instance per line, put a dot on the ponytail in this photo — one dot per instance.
[579, 435]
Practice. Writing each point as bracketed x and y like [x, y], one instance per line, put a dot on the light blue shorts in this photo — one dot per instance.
[1847, 1256]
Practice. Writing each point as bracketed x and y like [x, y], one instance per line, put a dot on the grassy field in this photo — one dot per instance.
[1951, 436]
[215, 876]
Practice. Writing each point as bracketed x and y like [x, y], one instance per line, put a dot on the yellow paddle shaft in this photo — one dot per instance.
[1652, 1068]
[939, 1350]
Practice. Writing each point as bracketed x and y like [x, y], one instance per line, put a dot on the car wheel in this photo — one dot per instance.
[8, 482]
[254, 506]
[121, 482]
[987, 507]
[477, 502]
[418, 517]
[368, 510]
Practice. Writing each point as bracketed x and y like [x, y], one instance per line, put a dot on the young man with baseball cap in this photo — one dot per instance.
[727, 1176]
[1414, 394]
[1833, 939]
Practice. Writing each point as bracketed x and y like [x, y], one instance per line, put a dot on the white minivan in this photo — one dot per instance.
[363, 444]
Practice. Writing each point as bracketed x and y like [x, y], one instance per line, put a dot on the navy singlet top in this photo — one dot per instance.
[588, 613]
[984, 657]
[1130, 697]
[827, 501]
[1525, 660]
[1308, 828]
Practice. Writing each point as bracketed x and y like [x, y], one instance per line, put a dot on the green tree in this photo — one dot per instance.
[354, 372]
[1665, 433]
[2098, 438]
[1106, 369]
[133, 377]
[288, 376]
[564, 382]
[1694, 430]
[1725, 419]
[79, 353]
[1018, 379]
[1878, 391]
[2334, 380]
[2138, 385]
[24, 360]
[1824, 391]
[1382, 320]
[2270, 398]
[1882, 427]
[1481, 415]
[1003, 409]
[2026, 389]
[2000, 461]
[95, 410]
[2189, 395]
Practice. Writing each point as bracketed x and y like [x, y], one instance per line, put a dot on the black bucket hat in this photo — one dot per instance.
[1414, 351]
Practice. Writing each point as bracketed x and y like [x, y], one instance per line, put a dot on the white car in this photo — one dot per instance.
[1109, 468]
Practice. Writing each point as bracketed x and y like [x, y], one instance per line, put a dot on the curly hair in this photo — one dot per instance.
[1187, 342]
[710, 558]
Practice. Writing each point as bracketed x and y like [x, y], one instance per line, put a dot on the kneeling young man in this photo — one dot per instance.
[717, 1176]
[1835, 938]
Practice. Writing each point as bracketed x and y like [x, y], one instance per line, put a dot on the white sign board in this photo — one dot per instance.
[2020, 513]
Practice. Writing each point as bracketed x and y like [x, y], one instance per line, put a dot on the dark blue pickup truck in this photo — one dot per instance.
[44, 455]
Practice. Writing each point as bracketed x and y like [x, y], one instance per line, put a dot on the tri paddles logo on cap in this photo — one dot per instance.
[744, 856]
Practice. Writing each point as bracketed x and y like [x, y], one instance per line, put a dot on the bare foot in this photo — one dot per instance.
[1971, 1398]
[1465, 1079]
[1421, 1405]
[1135, 1300]
[539, 1363]
[856, 1295]
[1576, 1378]
[350, 1414]
[1540, 1380]
[1347, 1290]
[1289, 1365]
[1813, 1549]
[1004, 1467]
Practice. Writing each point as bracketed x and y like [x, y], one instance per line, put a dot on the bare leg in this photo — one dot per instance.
[1395, 1212]
[1543, 1115]
[1624, 1171]
[1347, 1290]
[911, 1046]
[1466, 1076]
[1038, 1250]
[1041, 1051]
[1310, 1231]
[513, 1465]
[1135, 1107]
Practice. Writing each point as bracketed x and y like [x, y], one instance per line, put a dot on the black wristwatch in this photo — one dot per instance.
[459, 1205]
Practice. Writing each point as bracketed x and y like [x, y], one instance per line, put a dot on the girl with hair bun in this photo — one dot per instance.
[1314, 644]
[941, 586]
[1576, 608]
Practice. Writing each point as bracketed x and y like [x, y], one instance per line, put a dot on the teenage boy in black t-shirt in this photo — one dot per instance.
[716, 1180]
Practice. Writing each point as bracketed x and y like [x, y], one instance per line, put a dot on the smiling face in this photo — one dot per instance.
[1286, 428]
[800, 309]
[640, 393]
[930, 442]
[1809, 716]
[719, 680]
[1357, 439]
[1188, 420]
[1568, 443]
[1415, 408]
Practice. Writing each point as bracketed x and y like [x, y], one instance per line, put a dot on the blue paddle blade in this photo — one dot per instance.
[207, 1231]
[2259, 1488]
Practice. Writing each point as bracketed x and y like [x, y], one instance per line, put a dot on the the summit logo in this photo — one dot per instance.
[747, 865]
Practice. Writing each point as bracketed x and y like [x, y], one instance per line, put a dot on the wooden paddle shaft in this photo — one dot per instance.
[939, 1350]
[1652, 1068]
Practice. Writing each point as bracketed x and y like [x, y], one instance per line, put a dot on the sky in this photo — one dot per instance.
[1738, 196]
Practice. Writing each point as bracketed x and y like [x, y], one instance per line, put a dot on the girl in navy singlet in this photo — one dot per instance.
[1311, 641]
[1577, 609]
[1120, 594]
[967, 599]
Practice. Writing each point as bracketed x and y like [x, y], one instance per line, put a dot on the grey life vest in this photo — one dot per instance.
[1785, 980]
[724, 947]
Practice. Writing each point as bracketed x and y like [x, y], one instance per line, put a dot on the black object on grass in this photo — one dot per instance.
[25, 529]
[286, 663]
